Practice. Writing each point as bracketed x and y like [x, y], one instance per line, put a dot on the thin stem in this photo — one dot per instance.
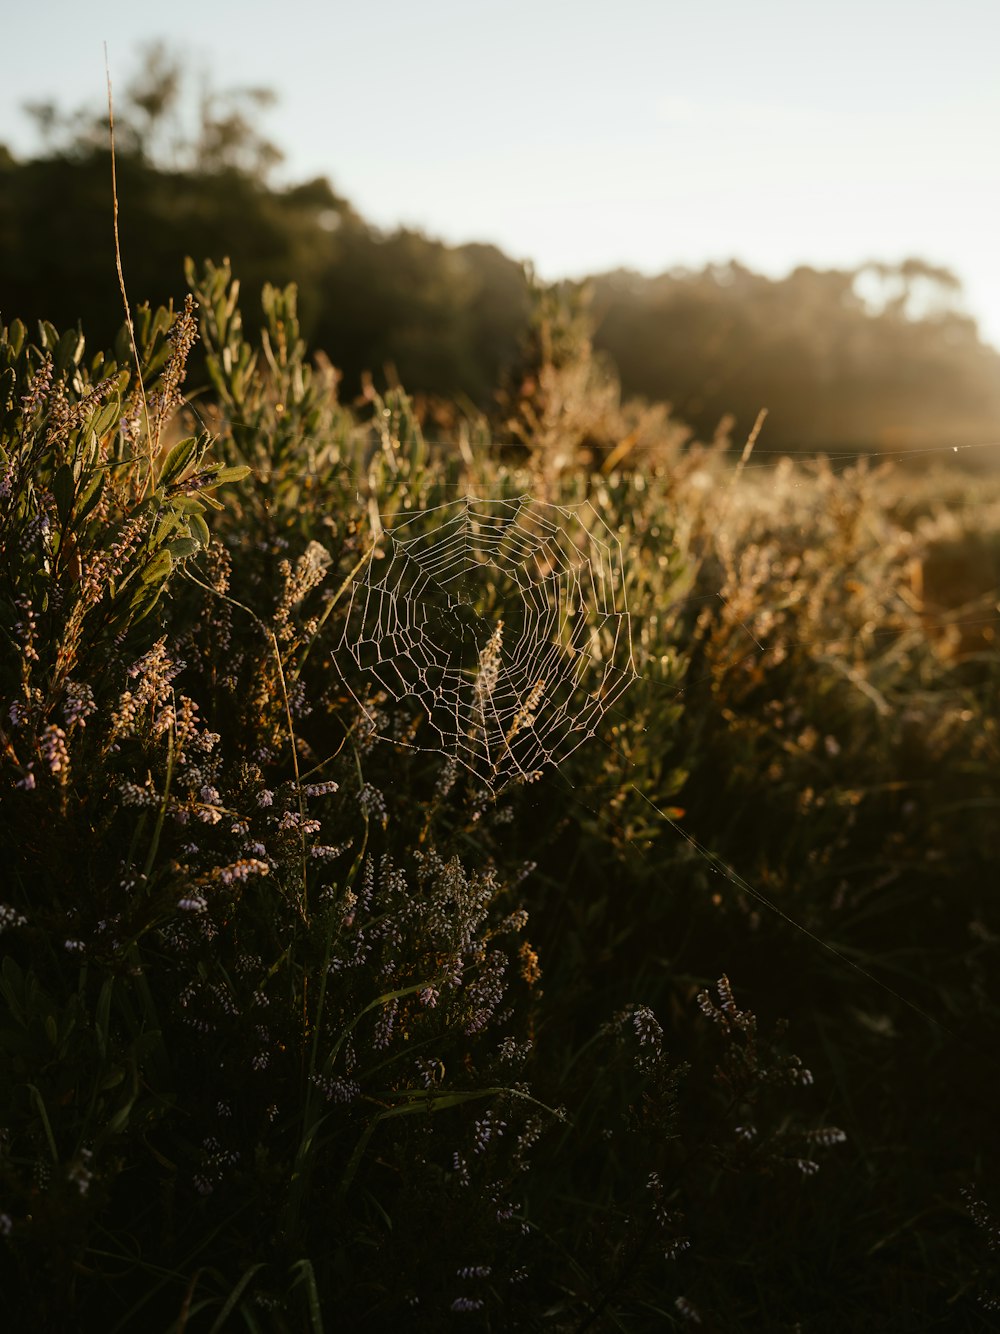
[121, 279]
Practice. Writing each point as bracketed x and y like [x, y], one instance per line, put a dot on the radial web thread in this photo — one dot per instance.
[503, 623]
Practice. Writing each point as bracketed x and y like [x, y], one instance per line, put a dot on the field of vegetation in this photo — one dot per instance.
[306, 1026]
[882, 356]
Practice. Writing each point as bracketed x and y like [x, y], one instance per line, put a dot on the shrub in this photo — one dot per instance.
[291, 1005]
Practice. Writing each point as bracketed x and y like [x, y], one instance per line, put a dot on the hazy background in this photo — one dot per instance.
[589, 135]
[630, 141]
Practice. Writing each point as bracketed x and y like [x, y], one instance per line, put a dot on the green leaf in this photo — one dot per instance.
[141, 321]
[177, 461]
[199, 530]
[162, 321]
[307, 1277]
[102, 422]
[234, 473]
[182, 547]
[16, 335]
[428, 1100]
[155, 361]
[64, 489]
[172, 522]
[144, 600]
[120, 1119]
[91, 495]
[39, 1102]
[102, 1017]
[187, 504]
[158, 568]
[218, 379]
[233, 1298]
[123, 347]
[68, 351]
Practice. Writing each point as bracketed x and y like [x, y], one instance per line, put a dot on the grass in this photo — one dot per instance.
[305, 1025]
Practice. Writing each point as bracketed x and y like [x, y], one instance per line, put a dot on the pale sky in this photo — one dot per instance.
[585, 135]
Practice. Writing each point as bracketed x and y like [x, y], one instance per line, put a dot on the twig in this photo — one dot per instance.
[121, 274]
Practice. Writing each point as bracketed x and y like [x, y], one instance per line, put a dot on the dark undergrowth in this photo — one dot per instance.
[315, 1014]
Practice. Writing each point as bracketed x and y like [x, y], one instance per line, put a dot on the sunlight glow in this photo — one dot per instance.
[645, 135]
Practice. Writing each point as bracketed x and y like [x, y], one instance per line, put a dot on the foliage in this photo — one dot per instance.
[302, 1026]
[879, 357]
[195, 177]
[882, 357]
[159, 125]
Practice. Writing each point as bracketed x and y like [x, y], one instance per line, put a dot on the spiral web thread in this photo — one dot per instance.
[504, 622]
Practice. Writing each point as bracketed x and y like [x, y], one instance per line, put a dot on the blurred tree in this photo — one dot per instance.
[153, 97]
[159, 122]
[878, 357]
[195, 177]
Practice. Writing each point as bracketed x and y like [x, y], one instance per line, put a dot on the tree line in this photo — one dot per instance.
[880, 357]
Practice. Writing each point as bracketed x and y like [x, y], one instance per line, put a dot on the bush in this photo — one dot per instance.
[292, 1001]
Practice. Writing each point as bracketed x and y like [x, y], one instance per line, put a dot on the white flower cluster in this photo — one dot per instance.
[10, 917]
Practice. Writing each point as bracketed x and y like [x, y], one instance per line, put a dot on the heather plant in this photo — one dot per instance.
[653, 1140]
[305, 1024]
[156, 945]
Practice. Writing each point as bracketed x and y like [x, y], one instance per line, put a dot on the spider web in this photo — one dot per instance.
[503, 623]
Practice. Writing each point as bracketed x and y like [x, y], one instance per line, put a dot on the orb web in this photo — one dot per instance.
[502, 624]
